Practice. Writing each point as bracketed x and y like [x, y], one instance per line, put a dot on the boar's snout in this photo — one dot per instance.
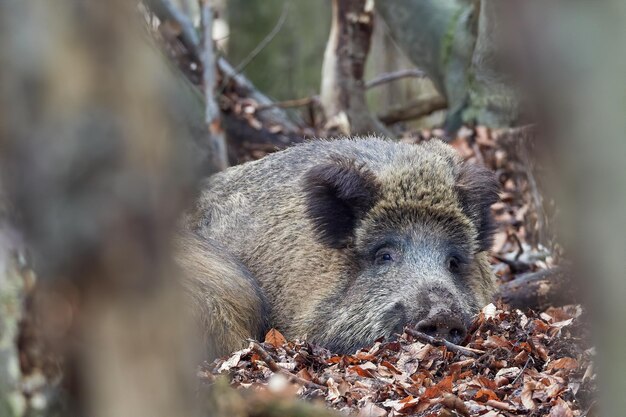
[444, 324]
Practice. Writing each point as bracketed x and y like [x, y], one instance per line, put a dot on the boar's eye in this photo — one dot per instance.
[454, 264]
[385, 255]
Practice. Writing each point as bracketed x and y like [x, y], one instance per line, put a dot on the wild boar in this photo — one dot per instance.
[343, 242]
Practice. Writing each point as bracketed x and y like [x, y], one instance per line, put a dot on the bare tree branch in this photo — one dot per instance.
[392, 76]
[270, 36]
[437, 341]
[414, 110]
[274, 367]
[297, 102]
[245, 88]
[237, 127]
[212, 111]
[540, 290]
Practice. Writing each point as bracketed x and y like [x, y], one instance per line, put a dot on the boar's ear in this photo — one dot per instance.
[478, 189]
[338, 193]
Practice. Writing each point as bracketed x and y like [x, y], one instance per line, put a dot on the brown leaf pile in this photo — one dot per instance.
[533, 365]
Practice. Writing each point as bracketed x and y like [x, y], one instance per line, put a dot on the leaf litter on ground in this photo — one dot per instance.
[534, 363]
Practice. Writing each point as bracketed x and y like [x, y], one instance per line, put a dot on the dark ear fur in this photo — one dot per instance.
[338, 193]
[478, 189]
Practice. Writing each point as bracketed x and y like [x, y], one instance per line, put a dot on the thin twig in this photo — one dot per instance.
[392, 76]
[516, 266]
[520, 247]
[298, 102]
[271, 363]
[437, 341]
[500, 405]
[268, 38]
[523, 369]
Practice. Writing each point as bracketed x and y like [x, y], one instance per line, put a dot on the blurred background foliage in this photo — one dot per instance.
[297, 50]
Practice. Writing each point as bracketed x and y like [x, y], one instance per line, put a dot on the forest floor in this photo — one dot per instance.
[513, 362]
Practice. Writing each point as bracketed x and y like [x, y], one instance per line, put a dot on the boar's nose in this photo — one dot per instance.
[443, 325]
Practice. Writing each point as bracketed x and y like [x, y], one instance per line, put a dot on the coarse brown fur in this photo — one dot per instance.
[342, 242]
[226, 300]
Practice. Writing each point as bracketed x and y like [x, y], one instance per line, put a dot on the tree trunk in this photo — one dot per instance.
[575, 79]
[94, 163]
[494, 99]
[343, 89]
[456, 43]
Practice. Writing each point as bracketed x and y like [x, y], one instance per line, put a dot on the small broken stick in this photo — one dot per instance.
[274, 367]
[437, 341]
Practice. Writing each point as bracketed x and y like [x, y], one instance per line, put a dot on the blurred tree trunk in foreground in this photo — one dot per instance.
[94, 151]
[96, 161]
[576, 81]
[457, 43]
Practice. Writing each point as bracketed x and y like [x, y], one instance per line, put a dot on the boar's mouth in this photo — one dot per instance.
[395, 319]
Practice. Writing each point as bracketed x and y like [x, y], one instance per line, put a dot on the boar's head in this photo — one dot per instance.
[414, 229]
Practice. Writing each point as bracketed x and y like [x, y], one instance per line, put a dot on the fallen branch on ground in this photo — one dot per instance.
[437, 341]
[539, 290]
[516, 267]
[274, 367]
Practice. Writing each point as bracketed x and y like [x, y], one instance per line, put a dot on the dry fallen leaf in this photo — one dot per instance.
[370, 409]
[453, 402]
[563, 363]
[527, 395]
[275, 338]
[561, 409]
